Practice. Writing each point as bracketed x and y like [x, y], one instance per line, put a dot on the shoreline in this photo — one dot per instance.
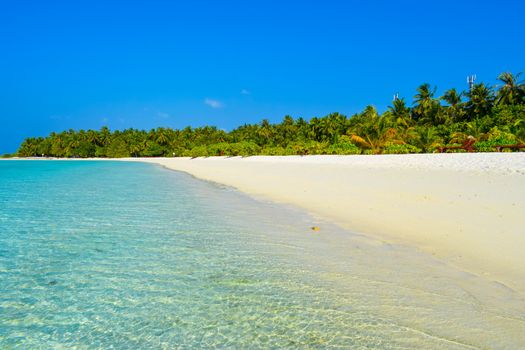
[121, 226]
[464, 209]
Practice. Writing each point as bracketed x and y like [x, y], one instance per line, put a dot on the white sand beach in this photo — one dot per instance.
[465, 209]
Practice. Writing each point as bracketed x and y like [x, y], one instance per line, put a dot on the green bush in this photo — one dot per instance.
[273, 151]
[495, 137]
[343, 148]
[83, 150]
[307, 148]
[507, 114]
[197, 151]
[244, 148]
[153, 149]
[117, 149]
[405, 148]
[277, 151]
[219, 149]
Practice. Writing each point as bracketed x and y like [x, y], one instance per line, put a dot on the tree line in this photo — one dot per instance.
[492, 115]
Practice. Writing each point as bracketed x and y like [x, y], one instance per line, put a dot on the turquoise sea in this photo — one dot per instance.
[116, 255]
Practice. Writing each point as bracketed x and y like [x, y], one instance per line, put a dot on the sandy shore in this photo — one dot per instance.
[466, 209]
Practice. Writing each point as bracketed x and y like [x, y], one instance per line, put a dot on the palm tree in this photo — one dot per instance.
[481, 100]
[104, 136]
[454, 108]
[475, 128]
[513, 92]
[452, 97]
[518, 129]
[285, 131]
[315, 129]
[400, 111]
[92, 137]
[265, 132]
[428, 139]
[377, 136]
[28, 148]
[161, 136]
[424, 103]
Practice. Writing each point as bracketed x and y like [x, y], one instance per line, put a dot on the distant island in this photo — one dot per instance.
[485, 118]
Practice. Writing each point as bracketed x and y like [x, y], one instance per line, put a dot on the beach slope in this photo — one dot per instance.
[466, 209]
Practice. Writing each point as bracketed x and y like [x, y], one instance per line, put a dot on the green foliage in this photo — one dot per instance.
[343, 148]
[491, 116]
[394, 148]
[117, 149]
[153, 149]
[508, 114]
[274, 151]
[306, 148]
[219, 149]
[496, 137]
[197, 151]
[244, 148]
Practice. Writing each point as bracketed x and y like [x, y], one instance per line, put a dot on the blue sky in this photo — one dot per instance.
[85, 64]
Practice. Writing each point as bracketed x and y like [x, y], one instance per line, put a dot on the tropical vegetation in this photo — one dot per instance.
[492, 115]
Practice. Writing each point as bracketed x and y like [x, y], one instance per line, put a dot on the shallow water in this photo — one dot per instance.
[98, 255]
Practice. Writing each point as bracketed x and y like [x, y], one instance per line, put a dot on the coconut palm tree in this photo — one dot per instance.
[452, 97]
[92, 137]
[162, 137]
[265, 132]
[428, 139]
[481, 100]
[400, 111]
[513, 90]
[454, 109]
[104, 136]
[376, 136]
[425, 105]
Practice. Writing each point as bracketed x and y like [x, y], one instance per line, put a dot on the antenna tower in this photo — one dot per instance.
[470, 80]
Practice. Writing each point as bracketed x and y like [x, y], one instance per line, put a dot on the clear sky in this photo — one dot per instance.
[143, 64]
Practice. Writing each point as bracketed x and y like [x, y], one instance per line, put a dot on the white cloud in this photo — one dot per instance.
[245, 92]
[163, 115]
[213, 103]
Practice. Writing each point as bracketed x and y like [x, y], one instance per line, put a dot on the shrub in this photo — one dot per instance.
[273, 151]
[495, 137]
[153, 149]
[306, 148]
[343, 148]
[197, 151]
[117, 149]
[507, 114]
[405, 148]
[219, 149]
[244, 148]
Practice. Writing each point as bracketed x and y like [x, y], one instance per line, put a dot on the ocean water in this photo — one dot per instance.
[115, 255]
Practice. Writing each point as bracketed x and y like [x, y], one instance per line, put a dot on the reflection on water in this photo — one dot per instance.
[133, 256]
